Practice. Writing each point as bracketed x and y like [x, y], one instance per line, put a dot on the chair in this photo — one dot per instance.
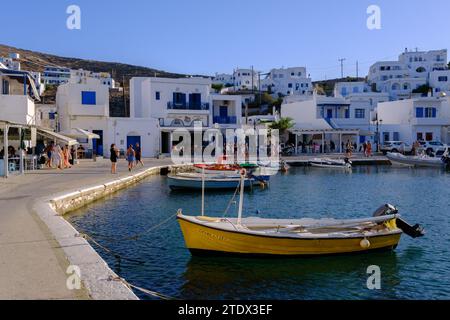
[12, 167]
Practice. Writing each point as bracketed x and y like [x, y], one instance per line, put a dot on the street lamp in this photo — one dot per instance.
[378, 122]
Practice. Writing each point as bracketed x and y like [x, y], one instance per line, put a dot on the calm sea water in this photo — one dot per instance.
[417, 269]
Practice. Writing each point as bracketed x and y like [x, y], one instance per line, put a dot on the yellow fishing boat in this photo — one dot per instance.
[293, 237]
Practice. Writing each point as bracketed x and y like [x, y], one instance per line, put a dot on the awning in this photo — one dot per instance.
[78, 133]
[366, 133]
[57, 136]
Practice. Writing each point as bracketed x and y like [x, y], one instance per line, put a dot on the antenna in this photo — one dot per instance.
[342, 66]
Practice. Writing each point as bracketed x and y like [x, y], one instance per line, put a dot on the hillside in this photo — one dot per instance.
[119, 101]
[36, 61]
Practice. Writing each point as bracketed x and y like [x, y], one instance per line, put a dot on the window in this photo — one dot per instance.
[51, 116]
[88, 98]
[419, 112]
[419, 136]
[429, 136]
[5, 87]
[360, 113]
[443, 79]
[179, 98]
[396, 136]
[158, 95]
[430, 112]
[289, 85]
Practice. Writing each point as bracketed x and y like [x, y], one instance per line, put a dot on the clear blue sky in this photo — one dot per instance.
[205, 36]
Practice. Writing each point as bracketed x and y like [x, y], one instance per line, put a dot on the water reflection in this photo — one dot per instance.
[333, 277]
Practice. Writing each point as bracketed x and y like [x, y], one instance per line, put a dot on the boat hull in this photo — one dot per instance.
[181, 183]
[201, 239]
[414, 161]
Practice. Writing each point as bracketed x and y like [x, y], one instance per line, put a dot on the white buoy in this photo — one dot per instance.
[365, 244]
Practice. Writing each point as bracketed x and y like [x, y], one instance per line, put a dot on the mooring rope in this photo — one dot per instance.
[143, 290]
[232, 199]
[109, 251]
[137, 236]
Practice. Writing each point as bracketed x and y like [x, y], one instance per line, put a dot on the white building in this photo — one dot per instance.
[245, 79]
[224, 79]
[345, 89]
[423, 119]
[17, 97]
[56, 75]
[288, 81]
[439, 80]
[180, 103]
[412, 70]
[86, 106]
[328, 120]
[81, 76]
[47, 116]
[12, 62]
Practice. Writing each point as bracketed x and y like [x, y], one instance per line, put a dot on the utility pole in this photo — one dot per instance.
[357, 69]
[342, 66]
[124, 97]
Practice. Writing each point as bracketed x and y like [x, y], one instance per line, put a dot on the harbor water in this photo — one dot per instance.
[417, 269]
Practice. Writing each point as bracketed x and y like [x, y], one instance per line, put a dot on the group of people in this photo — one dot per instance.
[60, 158]
[11, 152]
[133, 157]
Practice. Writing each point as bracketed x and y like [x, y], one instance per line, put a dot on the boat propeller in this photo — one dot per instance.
[415, 231]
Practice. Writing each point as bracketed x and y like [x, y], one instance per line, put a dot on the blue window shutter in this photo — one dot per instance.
[183, 99]
[88, 98]
[434, 112]
[419, 112]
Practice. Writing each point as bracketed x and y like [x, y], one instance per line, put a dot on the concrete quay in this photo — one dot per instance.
[37, 245]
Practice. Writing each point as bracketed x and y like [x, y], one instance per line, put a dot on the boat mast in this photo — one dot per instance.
[241, 197]
[203, 191]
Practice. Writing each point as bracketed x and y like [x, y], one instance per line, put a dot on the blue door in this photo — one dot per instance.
[133, 140]
[97, 144]
[329, 113]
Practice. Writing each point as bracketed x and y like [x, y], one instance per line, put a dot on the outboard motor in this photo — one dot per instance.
[415, 231]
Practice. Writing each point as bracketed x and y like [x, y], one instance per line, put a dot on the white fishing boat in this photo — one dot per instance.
[331, 163]
[416, 161]
[193, 180]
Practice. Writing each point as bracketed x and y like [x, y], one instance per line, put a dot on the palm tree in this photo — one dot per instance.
[283, 125]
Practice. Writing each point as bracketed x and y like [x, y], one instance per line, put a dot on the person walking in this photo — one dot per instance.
[49, 152]
[57, 157]
[131, 157]
[369, 149]
[66, 157]
[114, 155]
[138, 151]
[348, 149]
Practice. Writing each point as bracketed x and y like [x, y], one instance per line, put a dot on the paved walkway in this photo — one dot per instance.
[32, 264]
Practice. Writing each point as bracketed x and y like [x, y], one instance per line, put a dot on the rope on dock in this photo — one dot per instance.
[143, 290]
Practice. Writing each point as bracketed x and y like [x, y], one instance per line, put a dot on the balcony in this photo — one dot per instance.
[188, 106]
[225, 120]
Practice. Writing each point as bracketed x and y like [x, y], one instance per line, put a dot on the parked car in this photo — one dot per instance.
[432, 147]
[396, 147]
[443, 152]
